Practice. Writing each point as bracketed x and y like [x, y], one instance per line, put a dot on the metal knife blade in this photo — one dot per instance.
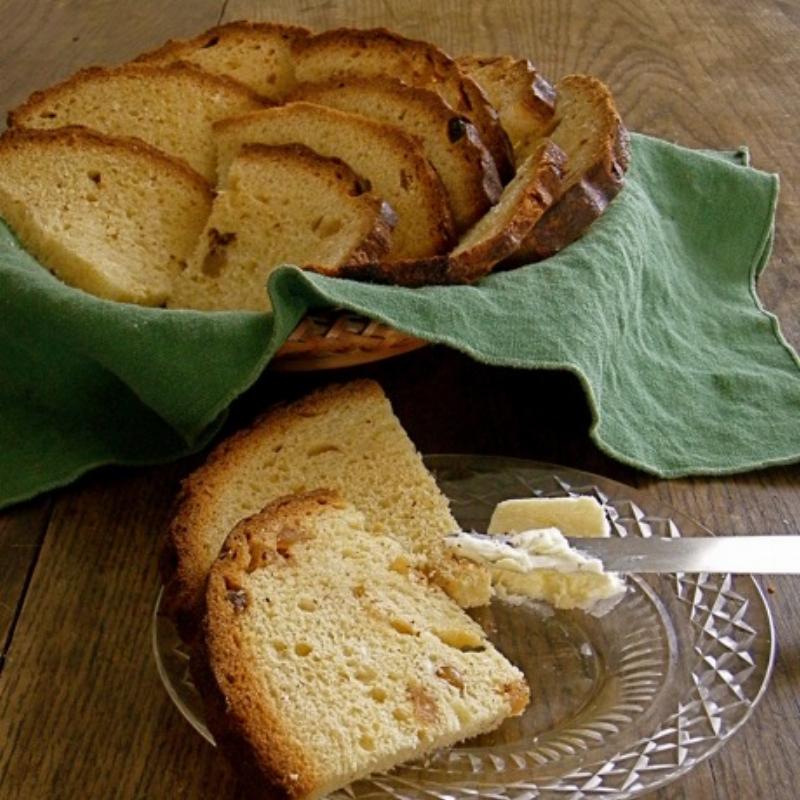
[743, 555]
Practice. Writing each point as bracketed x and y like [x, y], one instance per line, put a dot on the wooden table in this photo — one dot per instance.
[82, 711]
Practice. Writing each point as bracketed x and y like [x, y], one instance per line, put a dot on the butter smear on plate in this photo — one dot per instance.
[530, 559]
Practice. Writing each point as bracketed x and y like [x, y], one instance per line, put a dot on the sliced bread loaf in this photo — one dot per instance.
[344, 437]
[525, 101]
[451, 144]
[327, 655]
[589, 130]
[257, 54]
[348, 52]
[113, 217]
[171, 107]
[392, 162]
[496, 236]
[280, 205]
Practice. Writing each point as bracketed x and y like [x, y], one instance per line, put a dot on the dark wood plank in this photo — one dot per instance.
[22, 530]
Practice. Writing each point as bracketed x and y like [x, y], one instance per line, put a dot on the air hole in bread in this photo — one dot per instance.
[326, 226]
[358, 589]
[214, 40]
[323, 448]
[279, 646]
[303, 649]
[401, 714]
[366, 674]
[95, 177]
[377, 694]
[367, 743]
[451, 675]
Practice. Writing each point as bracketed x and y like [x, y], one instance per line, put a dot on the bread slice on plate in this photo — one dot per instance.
[171, 107]
[327, 655]
[281, 205]
[257, 54]
[392, 163]
[589, 130]
[113, 217]
[523, 98]
[451, 144]
[343, 437]
[495, 237]
[349, 52]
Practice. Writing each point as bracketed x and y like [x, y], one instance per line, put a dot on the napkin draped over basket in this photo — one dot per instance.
[654, 309]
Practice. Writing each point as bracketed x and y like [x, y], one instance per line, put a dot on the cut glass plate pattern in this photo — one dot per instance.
[620, 705]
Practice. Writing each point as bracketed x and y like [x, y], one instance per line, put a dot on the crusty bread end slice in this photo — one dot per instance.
[170, 107]
[327, 655]
[589, 130]
[345, 437]
[114, 217]
[257, 54]
[496, 236]
[280, 205]
[392, 162]
[524, 99]
[350, 52]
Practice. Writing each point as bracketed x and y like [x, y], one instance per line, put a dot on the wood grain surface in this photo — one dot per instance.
[82, 710]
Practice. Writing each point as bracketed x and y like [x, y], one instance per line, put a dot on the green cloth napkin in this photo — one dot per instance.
[654, 310]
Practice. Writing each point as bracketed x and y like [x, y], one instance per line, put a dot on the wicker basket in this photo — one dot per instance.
[332, 339]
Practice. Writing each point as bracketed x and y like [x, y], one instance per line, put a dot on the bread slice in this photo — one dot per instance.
[495, 237]
[348, 52]
[171, 108]
[589, 130]
[451, 144]
[392, 162]
[257, 54]
[281, 205]
[327, 655]
[525, 101]
[113, 217]
[343, 437]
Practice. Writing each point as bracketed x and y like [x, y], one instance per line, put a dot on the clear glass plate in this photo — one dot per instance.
[622, 704]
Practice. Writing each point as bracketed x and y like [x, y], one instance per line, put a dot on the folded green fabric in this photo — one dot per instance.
[654, 310]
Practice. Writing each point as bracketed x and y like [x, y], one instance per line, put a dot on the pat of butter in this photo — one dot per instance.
[549, 570]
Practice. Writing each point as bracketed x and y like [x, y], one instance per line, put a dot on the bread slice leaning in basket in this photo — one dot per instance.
[257, 54]
[392, 163]
[327, 655]
[451, 144]
[344, 437]
[589, 130]
[349, 52]
[495, 237]
[170, 107]
[280, 205]
[524, 99]
[114, 217]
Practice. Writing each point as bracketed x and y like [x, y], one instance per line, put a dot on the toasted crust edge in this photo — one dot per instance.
[441, 224]
[476, 104]
[17, 116]
[245, 725]
[184, 564]
[479, 260]
[72, 134]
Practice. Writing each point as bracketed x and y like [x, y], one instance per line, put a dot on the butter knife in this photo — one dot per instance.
[742, 555]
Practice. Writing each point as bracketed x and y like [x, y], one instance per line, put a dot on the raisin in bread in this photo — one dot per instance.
[113, 217]
[327, 655]
[349, 52]
[451, 144]
[257, 54]
[280, 205]
[392, 162]
[171, 107]
[342, 437]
